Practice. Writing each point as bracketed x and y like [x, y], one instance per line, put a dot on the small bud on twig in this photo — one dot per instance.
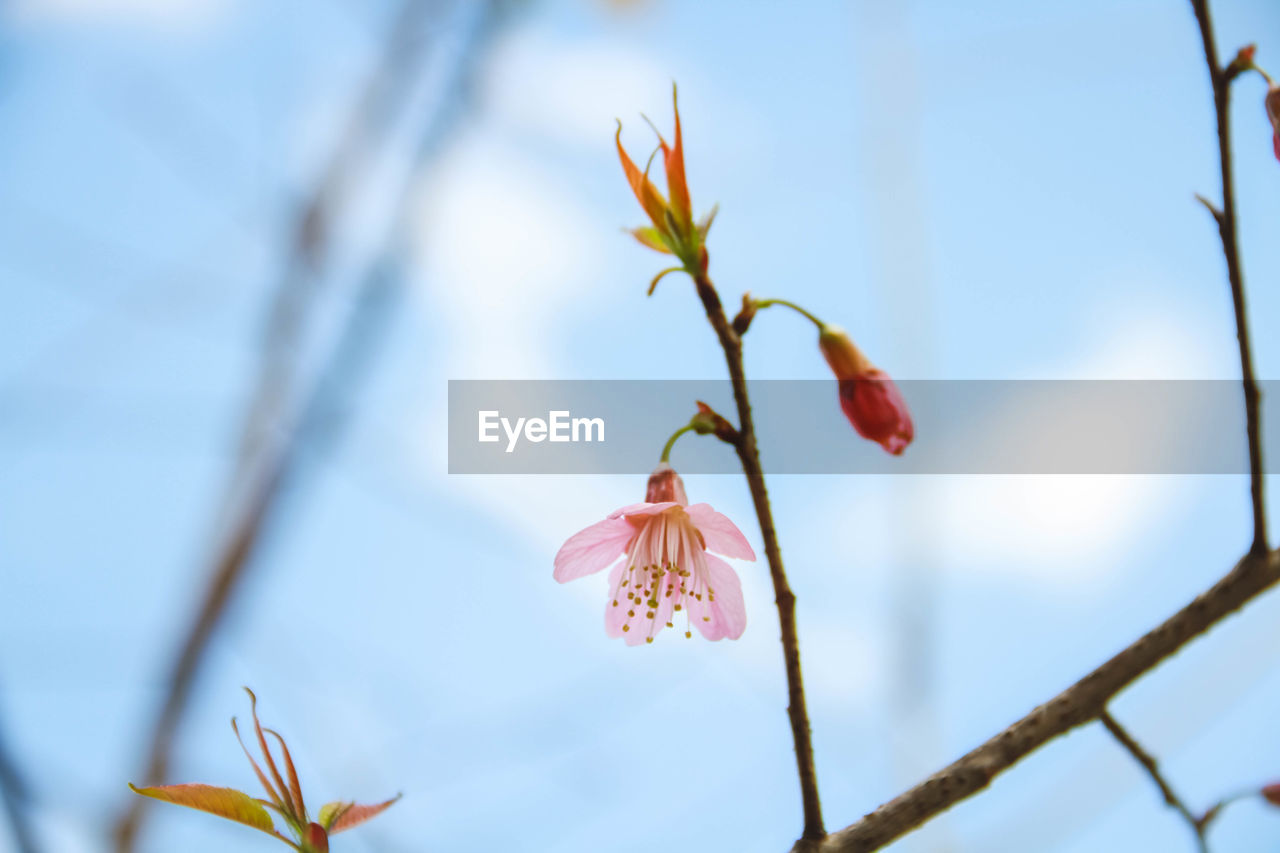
[710, 422]
[1242, 62]
[743, 321]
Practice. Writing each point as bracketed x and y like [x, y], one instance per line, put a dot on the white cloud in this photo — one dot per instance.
[1063, 529]
[571, 90]
[1143, 332]
[1066, 526]
[502, 251]
[503, 248]
[1060, 527]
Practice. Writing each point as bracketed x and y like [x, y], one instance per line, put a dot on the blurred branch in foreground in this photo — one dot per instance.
[287, 412]
[1087, 699]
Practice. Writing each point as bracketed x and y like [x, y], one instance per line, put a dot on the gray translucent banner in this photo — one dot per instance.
[961, 427]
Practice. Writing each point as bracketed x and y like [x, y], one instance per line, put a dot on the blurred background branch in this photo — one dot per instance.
[295, 409]
[15, 797]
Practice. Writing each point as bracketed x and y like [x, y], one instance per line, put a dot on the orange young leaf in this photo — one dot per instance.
[293, 808]
[646, 193]
[346, 815]
[673, 165]
[262, 777]
[294, 786]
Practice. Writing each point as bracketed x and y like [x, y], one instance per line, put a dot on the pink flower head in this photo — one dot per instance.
[667, 569]
[870, 399]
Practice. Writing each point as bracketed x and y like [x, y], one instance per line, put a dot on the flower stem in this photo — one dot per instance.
[765, 303]
[671, 442]
[783, 596]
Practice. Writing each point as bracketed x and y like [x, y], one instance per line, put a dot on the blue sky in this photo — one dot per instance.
[991, 190]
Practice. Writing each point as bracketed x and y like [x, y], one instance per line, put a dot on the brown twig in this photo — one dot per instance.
[785, 599]
[1225, 217]
[1087, 699]
[1078, 704]
[1153, 770]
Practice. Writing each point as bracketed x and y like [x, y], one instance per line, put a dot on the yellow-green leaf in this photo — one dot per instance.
[652, 238]
[223, 802]
[330, 812]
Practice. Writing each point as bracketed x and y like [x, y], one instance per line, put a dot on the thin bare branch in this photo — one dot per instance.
[1078, 704]
[783, 596]
[1087, 699]
[1221, 79]
[1149, 764]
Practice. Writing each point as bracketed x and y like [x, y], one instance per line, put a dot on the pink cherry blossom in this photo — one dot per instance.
[668, 569]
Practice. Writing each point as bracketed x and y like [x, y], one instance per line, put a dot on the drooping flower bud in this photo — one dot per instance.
[1273, 113]
[665, 485]
[1244, 61]
[869, 398]
[846, 360]
[1271, 793]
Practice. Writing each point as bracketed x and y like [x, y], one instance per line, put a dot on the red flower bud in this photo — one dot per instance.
[1273, 113]
[1271, 793]
[869, 398]
[665, 485]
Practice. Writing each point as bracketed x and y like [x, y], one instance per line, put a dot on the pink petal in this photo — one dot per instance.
[721, 535]
[641, 510]
[592, 549]
[728, 613]
[615, 615]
